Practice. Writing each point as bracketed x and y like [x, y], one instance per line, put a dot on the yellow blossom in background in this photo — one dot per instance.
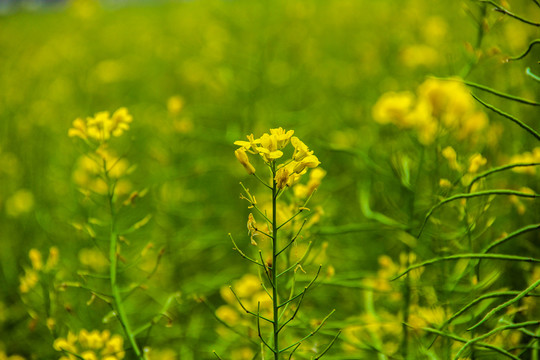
[419, 55]
[527, 157]
[475, 162]
[90, 168]
[35, 259]
[450, 154]
[4, 356]
[175, 104]
[183, 125]
[32, 275]
[20, 203]
[91, 345]
[445, 183]
[394, 108]
[161, 354]
[102, 126]
[94, 259]
[243, 353]
[28, 281]
[420, 317]
[440, 107]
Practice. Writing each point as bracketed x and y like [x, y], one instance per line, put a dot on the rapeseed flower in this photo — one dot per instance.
[440, 107]
[90, 345]
[102, 126]
[270, 147]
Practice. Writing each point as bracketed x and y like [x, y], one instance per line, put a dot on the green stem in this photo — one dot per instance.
[113, 261]
[275, 300]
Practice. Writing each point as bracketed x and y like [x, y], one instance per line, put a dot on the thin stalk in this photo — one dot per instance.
[275, 299]
[113, 266]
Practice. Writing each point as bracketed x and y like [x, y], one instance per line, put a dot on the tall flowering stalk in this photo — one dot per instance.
[104, 172]
[285, 171]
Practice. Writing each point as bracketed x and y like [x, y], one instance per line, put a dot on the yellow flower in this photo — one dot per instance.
[35, 259]
[102, 126]
[244, 160]
[282, 136]
[79, 129]
[445, 183]
[120, 121]
[175, 105]
[227, 314]
[269, 148]
[450, 154]
[28, 281]
[21, 202]
[282, 177]
[310, 161]
[475, 162]
[300, 149]
[251, 143]
[393, 108]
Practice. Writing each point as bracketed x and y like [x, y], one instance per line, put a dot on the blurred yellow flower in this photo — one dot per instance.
[244, 160]
[175, 104]
[102, 126]
[393, 108]
[21, 202]
[91, 345]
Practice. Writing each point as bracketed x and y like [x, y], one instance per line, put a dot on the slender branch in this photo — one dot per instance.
[262, 181]
[295, 311]
[529, 48]
[328, 347]
[506, 304]
[467, 256]
[298, 262]
[472, 195]
[498, 169]
[259, 327]
[482, 344]
[494, 331]
[266, 270]
[509, 117]
[242, 254]
[501, 9]
[294, 350]
[293, 239]
[491, 91]
[311, 333]
[246, 310]
[529, 72]
[510, 236]
[300, 210]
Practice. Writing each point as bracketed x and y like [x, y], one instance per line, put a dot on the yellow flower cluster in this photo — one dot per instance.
[440, 107]
[102, 126]
[475, 162]
[31, 275]
[93, 345]
[270, 147]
